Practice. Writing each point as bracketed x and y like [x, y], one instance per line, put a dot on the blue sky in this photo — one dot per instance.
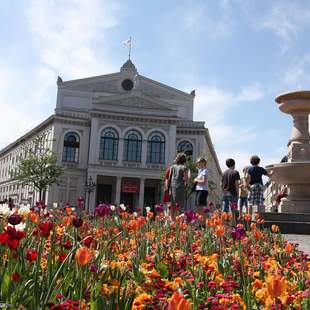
[237, 54]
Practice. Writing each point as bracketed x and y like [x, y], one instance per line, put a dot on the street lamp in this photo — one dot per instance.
[89, 187]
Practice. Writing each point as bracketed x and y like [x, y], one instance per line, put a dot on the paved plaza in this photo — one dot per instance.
[302, 240]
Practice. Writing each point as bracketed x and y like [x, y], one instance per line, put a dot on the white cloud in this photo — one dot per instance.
[213, 104]
[206, 20]
[64, 35]
[296, 75]
[16, 117]
[286, 18]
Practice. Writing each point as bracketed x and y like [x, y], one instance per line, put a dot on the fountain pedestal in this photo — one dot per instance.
[296, 172]
[294, 212]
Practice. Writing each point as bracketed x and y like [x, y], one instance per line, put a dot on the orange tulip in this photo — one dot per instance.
[288, 248]
[69, 210]
[257, 234]
[276, 286]
[82, 256]
[247, 217]
[253, 226]
[219, 231]
[34, 217]
[274, 228]
[67, 220]
[178, 302]
[225, 216]
[257, 284]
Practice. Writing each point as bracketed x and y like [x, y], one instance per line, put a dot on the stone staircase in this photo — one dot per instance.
[289, 223]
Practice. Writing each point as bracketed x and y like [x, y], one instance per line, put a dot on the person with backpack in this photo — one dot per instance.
[176, 185]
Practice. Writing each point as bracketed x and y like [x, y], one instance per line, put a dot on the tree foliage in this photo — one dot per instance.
[38, 168]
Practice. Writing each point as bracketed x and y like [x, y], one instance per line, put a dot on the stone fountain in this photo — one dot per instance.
[295, 208]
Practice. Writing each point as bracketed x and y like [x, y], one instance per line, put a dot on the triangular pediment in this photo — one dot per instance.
[134, 103]
[111, 84]
[97, 84]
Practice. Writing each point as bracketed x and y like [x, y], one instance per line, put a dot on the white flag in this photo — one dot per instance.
[127, 42]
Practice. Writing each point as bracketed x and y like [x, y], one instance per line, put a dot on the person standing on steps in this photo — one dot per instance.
[179, 181]
[201, 187]
[255, 181]
[230, 187]
[243, 193]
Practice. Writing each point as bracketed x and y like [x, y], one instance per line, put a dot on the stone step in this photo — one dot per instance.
[298, 228]
[286, 217]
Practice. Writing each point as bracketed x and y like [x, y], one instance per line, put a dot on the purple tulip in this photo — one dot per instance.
[94, 268]
[14, 219]
[77, 222]
[103, 210]
[159, 208]
[238, 233]
[191, 216]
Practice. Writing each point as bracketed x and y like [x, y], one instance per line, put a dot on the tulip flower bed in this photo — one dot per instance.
[117, 260]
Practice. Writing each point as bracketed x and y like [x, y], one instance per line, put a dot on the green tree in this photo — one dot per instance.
[38, 168]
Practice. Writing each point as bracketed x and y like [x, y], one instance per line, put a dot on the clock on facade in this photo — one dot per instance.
[127, 85]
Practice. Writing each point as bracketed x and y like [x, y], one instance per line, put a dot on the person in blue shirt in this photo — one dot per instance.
[255, 181]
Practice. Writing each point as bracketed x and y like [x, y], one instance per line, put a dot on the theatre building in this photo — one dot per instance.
[121, 130]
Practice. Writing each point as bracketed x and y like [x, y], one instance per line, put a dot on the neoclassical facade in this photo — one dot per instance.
[121, 130]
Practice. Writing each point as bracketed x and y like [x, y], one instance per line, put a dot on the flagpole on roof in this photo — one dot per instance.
[129, 54]
[127, 43]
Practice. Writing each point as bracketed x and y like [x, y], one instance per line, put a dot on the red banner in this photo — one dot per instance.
[128, 187]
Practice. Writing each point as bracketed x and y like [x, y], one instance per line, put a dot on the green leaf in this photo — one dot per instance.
[139, 277]
[5, 284]
[162, 269]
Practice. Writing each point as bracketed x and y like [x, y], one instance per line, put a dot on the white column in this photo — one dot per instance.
[118, 190]
[94, 139]
[171, 144]
[141, 194]
[92, 195]
[143, 152]
[120, 154]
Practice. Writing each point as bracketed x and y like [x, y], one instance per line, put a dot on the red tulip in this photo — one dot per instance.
[46, 228]
[31, 255]
[15, 276]
[13, 244]
[3, 238]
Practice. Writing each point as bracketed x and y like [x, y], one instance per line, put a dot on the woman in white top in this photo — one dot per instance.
[201, 185]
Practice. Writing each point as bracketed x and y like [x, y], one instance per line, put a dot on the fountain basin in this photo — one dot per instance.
[292, 102]
[290, 173]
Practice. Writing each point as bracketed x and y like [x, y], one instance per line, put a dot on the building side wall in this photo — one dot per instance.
[9, 160]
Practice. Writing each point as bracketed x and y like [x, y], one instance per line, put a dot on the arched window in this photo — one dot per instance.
[71, 147]
[185, 147]
[132, 146]
[108, 144]
[156, 148]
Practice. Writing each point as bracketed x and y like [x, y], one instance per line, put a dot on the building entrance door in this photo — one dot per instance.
[149, 197]
[128, 200]
[104, 193]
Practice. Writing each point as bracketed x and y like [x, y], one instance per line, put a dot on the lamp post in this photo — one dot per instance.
[89, 187]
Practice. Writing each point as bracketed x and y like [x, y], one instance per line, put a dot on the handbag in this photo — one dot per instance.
[167, 196]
